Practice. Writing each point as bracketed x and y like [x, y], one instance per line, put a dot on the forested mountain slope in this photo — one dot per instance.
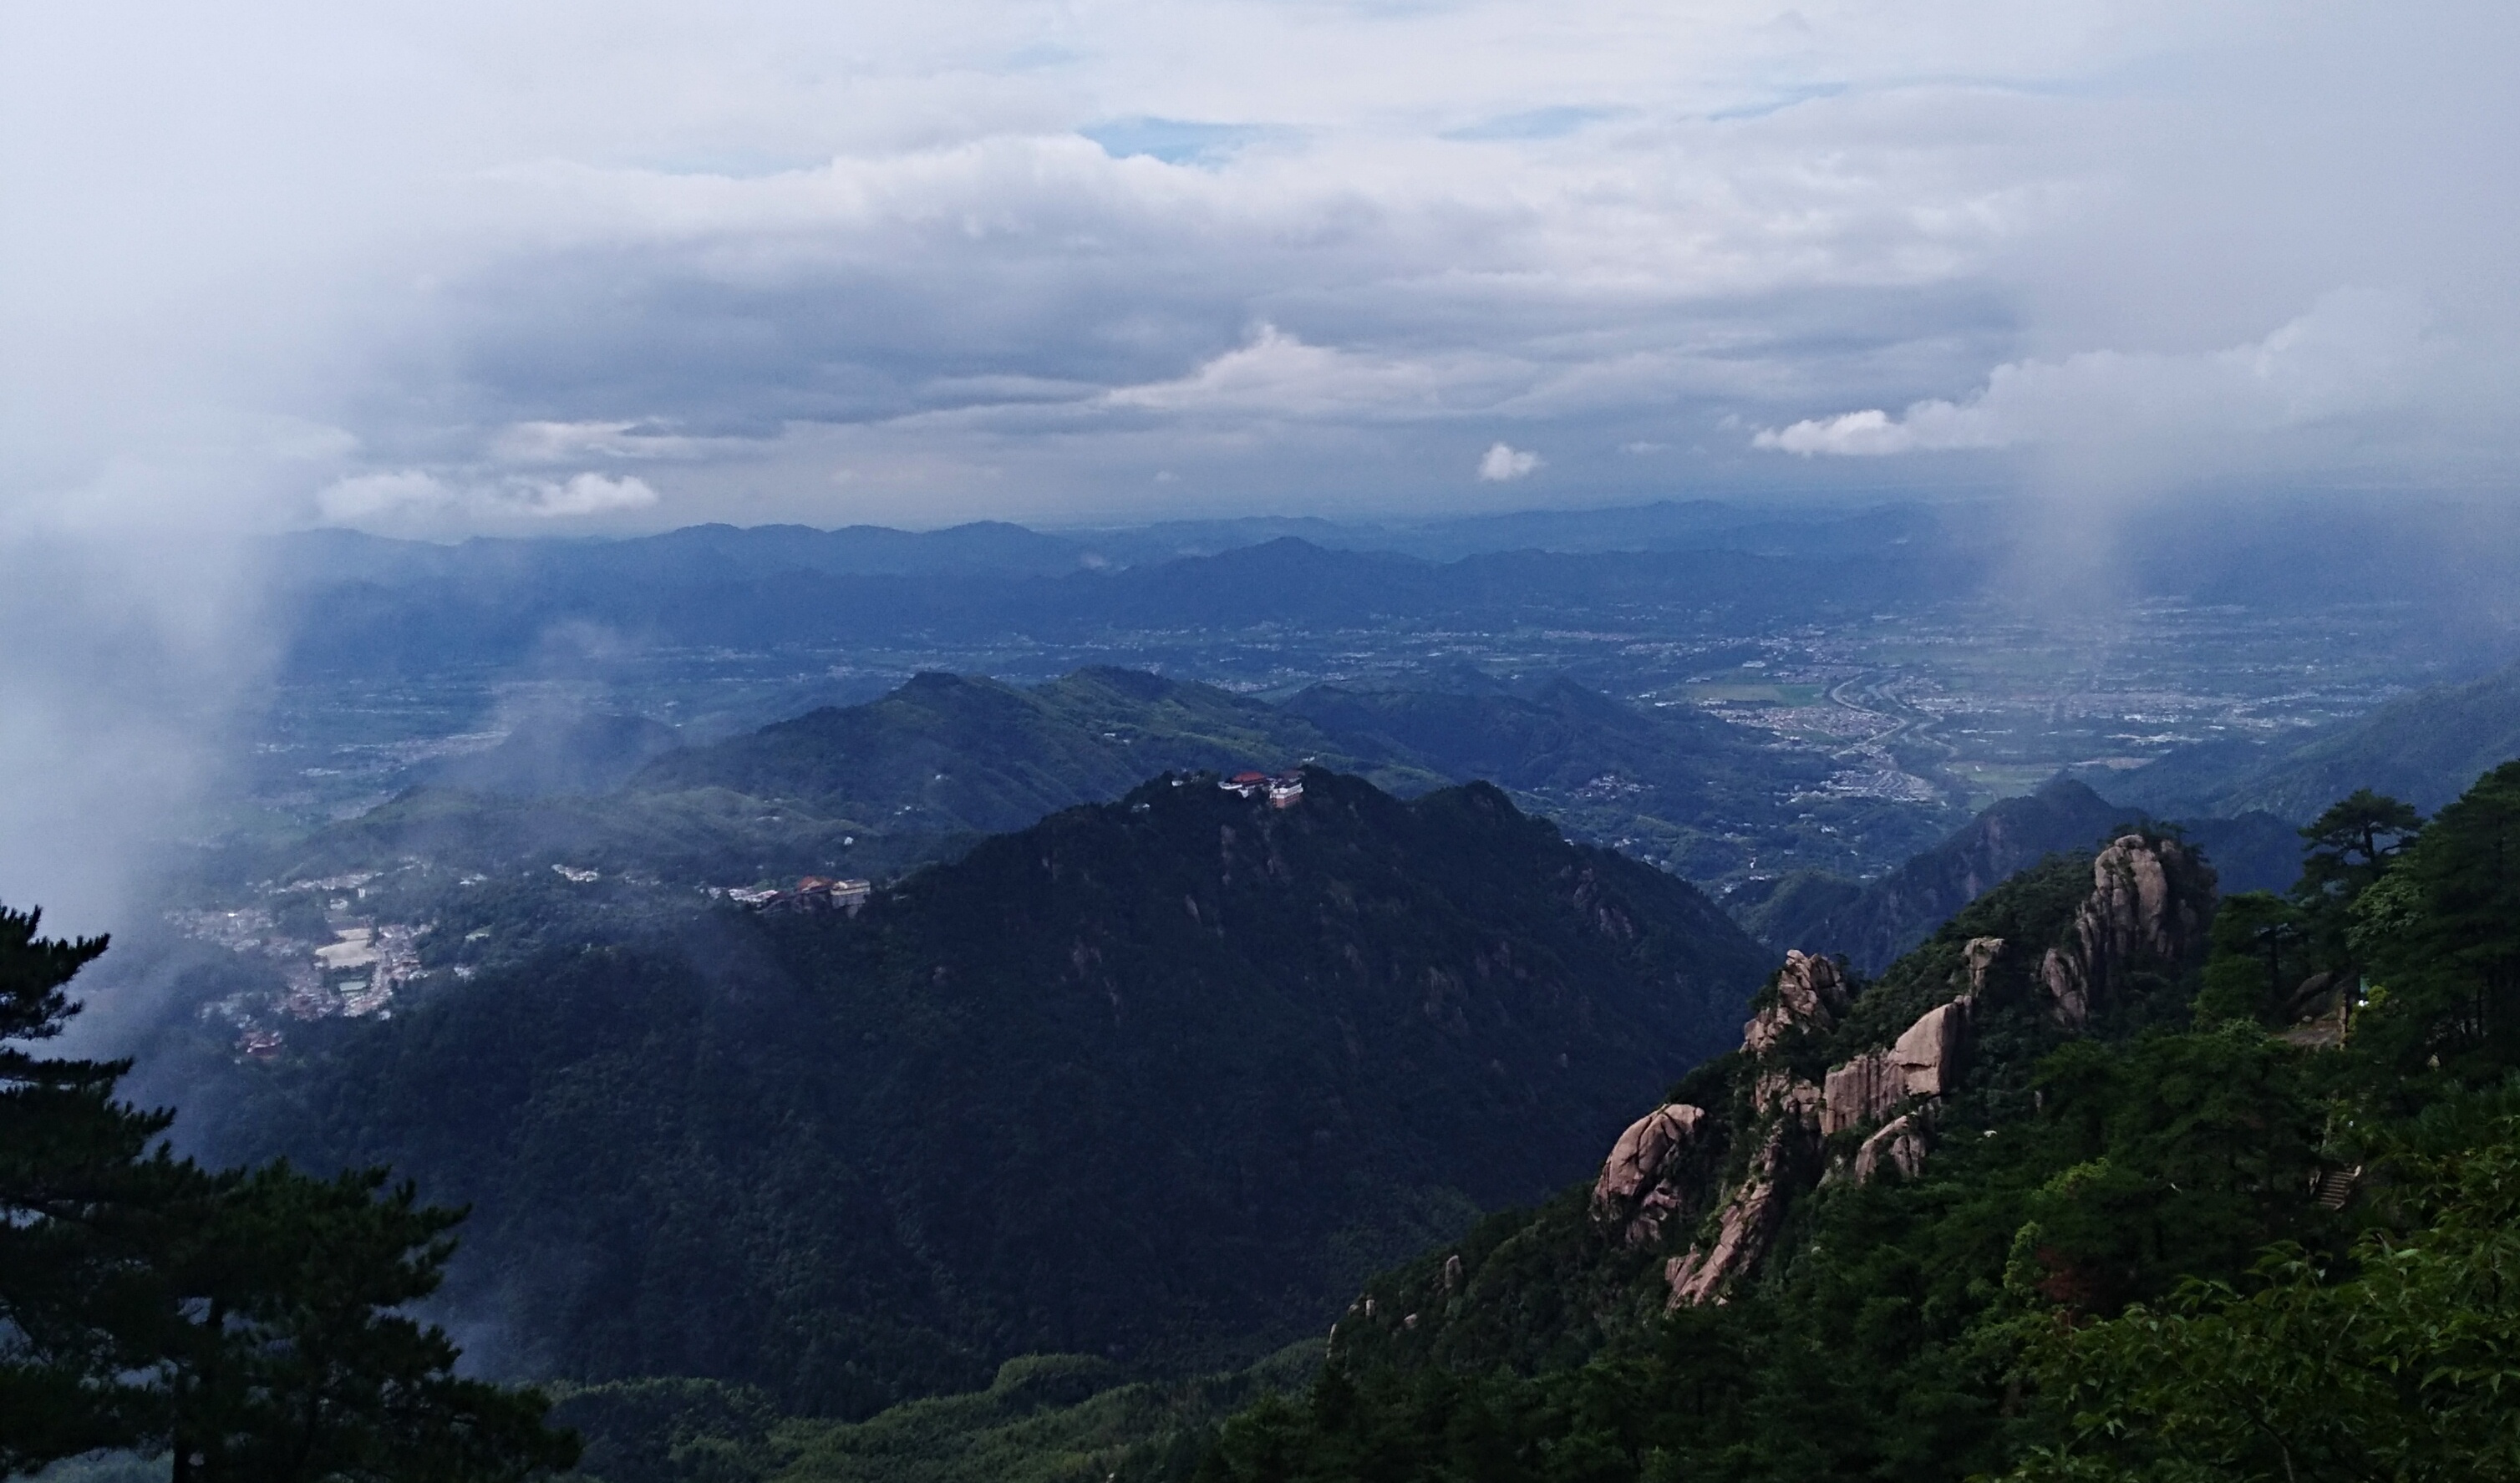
[1160, 1080]
[860, 790]
[2092, 1185]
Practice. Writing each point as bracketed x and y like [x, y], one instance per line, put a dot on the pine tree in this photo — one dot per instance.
[78, 1183]
[2441, 932]
[246, 1319]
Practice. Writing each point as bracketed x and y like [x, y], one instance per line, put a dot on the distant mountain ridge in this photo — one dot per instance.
[1160, 1078]
[362, 609]
[356, 604]
[1894, 914]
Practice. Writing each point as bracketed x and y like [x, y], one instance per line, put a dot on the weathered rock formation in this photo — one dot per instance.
[1924, 1064]
[1980, 956]
[1779, 1093]
[2146, 912]
[1924, 1061]
[2132, 914]
[1644, 1183]
[1899, 1143]
[1811, 992]
[1793, 1115]
[1811, 996]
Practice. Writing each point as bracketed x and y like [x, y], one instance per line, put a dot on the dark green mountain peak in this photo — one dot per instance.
[1159, 1079]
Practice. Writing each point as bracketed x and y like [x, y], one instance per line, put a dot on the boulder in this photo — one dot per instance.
[1641, 1186]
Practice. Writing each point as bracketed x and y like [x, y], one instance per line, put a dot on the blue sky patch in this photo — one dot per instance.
[1174, 141]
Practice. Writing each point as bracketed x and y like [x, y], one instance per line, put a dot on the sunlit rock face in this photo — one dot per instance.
[2145, 913]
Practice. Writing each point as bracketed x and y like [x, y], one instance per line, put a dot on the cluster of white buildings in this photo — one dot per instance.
[1282, 789]
[813, 893]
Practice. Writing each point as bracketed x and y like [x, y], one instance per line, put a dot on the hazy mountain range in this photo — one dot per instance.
[361, 603]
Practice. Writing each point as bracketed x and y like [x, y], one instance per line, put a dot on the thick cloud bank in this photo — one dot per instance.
[458, 268]
[2339, 388]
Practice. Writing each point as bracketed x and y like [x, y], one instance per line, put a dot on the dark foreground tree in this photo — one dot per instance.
[2345, 852]
[247, 1321]
[2441, 933]
[80, 1195]
[2356, 838]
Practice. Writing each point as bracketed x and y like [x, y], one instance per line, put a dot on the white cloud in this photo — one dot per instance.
[2354, 355]
[1277, 375]
[473, 240]
[1927, 424]
[499, 257]
[411, 497]
[588, 494]
[544, 442]
[1501, 462]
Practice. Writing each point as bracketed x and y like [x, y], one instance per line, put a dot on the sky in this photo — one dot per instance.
[564, 268]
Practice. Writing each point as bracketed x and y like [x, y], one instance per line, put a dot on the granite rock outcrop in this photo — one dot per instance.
[1925, 1061]
[2145, 914]
[1644, 1183]
[1811, 993]
[1899, 1143]
[2134, 914]
[1747, 1226]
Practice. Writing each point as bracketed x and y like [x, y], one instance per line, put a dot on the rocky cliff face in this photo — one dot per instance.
[1811, 993]
[1754, 1210]
[1839, 1081]
[1795, 1117]
[1923, 1062]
